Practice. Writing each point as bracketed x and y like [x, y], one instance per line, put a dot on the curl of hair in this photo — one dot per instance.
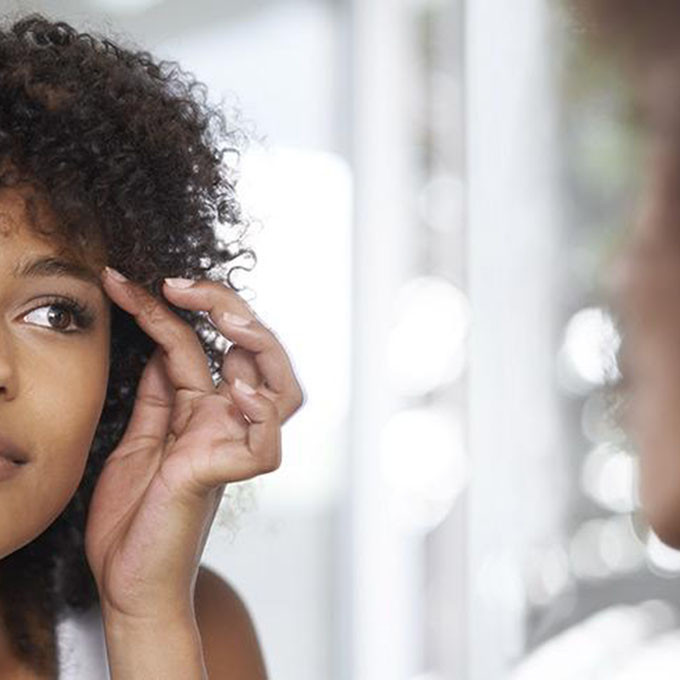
[128, 155]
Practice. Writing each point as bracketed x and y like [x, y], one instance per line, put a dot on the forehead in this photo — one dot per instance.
[33, 254]
[19, 208]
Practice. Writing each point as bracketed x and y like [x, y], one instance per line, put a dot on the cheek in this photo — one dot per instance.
[75, 414]
[34, 498]
[649, 299]
[70, 395]
[65, 411]
[70, 409]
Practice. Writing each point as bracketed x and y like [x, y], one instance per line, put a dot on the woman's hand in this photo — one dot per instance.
[160, 489]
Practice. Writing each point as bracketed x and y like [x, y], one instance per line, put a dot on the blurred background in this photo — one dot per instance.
[435, 189]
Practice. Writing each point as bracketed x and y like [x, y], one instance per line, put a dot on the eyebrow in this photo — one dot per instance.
[54, 266]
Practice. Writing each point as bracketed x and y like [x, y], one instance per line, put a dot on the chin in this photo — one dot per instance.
[667, 531]
[663, 516]
[659, 485]
[7, 548]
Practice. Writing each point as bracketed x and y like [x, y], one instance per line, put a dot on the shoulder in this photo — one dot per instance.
[230, 644]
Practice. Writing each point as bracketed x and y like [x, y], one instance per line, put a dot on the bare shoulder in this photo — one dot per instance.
[230, 644]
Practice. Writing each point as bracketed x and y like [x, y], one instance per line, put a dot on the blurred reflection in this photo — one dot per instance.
[597, 425]
[441, 203]
[604, 645]
[616, 617]
[609, 476]
[547, 573]
[586, 356]
[431, 308]
[663, 560]
[424, 463]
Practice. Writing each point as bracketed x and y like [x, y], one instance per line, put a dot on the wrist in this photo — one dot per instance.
[163, 645]
[176, 615]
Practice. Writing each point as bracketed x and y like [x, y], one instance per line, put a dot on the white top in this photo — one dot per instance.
[82, 646]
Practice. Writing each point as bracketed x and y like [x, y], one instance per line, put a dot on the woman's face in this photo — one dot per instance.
[647, 294]
[53, 376]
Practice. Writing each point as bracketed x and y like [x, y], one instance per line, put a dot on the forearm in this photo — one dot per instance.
[162, 649]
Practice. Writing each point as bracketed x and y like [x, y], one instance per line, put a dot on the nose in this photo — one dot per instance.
[617, 280]
[8, 374]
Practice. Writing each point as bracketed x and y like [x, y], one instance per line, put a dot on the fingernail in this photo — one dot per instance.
[243, 386]
[180, 283]
[235, 319]
[115, 274]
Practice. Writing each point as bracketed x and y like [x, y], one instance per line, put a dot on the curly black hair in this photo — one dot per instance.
[132, 164]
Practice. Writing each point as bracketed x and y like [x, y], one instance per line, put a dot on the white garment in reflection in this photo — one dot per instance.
[620, 642]
[82, 646]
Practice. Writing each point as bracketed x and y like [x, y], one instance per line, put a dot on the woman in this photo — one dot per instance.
[127, 419]
[645, 36]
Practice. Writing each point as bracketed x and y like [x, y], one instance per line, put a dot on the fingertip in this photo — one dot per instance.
[113, 274]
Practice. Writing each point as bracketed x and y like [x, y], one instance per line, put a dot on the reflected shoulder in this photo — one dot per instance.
[230, 644]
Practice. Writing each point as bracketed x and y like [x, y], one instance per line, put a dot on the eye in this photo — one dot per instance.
[70, 309]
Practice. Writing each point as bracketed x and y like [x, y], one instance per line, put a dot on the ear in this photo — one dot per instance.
[230, 645]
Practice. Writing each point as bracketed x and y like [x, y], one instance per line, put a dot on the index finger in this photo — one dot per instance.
[185, 361]
[266, 349]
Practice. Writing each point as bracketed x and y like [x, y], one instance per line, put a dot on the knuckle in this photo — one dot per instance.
[273, 463]
[272, 410]
[151, 308]
[176, 335]
[272, 460]
[158, 314]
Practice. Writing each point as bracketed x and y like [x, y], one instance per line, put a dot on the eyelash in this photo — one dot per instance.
[82, 315]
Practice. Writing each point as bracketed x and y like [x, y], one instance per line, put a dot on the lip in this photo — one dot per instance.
[9, 450]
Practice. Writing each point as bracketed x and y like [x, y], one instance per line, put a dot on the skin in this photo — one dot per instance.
[229, 638]
[159, 491]
[646, 284]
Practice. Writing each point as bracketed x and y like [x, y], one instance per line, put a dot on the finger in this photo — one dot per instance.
[239, 363]
[184, 360]
[231, 459]
[264, 434]
[281, 385]
[154, 400]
